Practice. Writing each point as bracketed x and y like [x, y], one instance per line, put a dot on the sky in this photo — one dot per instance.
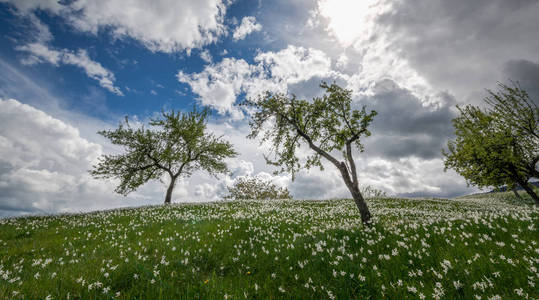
[71, 68]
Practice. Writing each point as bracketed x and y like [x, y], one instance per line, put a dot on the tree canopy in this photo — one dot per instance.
[327, 124]
[175, 144]
[498, 145]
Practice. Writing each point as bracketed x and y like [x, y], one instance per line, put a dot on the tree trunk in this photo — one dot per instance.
[168, 197]
[356, 194]
[516, 193]
[362, 206]
[527, 187]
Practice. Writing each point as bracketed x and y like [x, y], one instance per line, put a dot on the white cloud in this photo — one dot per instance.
[355, 26]
[42, 34]
[247, 26]
[425, 46]
[219, 85]
[412, 177]
[349, 20]
[240, 167]
[295, 64]
[62, 142]
[27, 6]
[206, 56]
[316, 184]
[161, 25]
[42, 53]
[44, 160]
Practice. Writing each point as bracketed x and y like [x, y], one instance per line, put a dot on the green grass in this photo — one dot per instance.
[450, 249]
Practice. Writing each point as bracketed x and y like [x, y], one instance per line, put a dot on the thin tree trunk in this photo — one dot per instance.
[168, 197]
[356, 194]
[362, 206]
[516, 193]
[527, 187]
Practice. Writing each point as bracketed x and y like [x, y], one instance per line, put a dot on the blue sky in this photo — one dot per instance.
[71, 68]
[146, 79]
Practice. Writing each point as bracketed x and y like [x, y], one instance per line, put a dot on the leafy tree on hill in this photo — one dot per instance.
[256, 188]
[326, 124]
[499, 145]
[177, 144]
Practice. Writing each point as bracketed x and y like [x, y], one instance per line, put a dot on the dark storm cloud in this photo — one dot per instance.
[526, 73]
[13, 199]
[395, 147]
[406, 127]
[462, 45]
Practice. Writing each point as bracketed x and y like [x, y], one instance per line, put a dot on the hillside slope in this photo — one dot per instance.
[449, 249]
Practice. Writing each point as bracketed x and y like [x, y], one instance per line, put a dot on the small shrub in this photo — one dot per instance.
[370, 192]
[256, 188]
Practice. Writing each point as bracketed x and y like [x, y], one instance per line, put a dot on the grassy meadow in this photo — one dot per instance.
[476, 247]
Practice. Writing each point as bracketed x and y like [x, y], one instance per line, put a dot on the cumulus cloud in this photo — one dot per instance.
[164, 25]
[412, 177]
[247, 26]
[39, 53]
[219, 85]
[240, 167]
[403, 155]
[42, 160]
[295, 64]
[28, 6]
[316, 184]
[369, 53]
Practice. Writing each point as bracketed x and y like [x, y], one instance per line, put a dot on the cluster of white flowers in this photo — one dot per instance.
[401, 253]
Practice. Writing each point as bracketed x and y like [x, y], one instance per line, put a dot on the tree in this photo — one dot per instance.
[256, 188]
[498, 145]
[327, 124]
[372, 192]
[177, 144]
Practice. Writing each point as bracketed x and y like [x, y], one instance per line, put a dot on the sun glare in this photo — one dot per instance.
[348, 19]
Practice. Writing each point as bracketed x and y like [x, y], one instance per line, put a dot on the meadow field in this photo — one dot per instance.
[476, 247]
